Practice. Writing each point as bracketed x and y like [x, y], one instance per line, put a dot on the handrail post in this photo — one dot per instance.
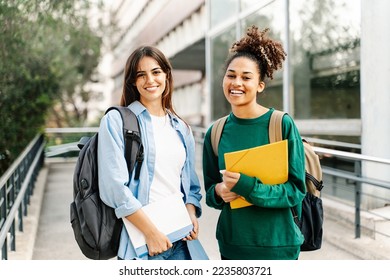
[16, 186]
[358, 190]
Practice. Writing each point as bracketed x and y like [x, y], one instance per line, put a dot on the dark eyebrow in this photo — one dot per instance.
[154, 69]
[245, 73]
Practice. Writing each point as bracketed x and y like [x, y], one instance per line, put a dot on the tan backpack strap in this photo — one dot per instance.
[275, 126]
[216, 132]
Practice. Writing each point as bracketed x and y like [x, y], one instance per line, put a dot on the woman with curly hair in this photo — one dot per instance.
[266, 229]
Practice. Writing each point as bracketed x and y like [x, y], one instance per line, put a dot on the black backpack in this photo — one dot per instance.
[312, 217]
[96, 228]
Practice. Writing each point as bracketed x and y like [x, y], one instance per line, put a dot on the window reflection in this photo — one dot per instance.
[248, 4]
[325, 58]
[222, 10]
[220, 46]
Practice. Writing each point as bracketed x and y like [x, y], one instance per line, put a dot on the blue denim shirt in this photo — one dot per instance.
[126, 195]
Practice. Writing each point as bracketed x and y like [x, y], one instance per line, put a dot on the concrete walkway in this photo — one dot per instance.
[48, 234]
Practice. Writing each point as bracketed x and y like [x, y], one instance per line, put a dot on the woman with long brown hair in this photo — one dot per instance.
[169, 157]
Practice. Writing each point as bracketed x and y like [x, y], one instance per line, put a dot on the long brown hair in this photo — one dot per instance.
[130, 92]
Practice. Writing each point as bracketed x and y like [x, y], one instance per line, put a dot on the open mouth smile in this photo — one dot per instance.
[236, 92]
[153, 88]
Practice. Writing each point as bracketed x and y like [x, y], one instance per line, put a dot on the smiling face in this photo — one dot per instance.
[241, 82]
[150, 81]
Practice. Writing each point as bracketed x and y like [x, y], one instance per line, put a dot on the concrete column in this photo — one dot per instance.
[375, 92]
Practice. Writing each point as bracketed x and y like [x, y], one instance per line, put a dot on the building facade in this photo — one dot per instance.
[320, 83]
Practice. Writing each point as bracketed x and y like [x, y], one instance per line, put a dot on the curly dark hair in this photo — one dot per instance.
[256, 45]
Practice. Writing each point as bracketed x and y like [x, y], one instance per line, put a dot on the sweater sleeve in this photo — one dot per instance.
[211, 175]
[289, 194]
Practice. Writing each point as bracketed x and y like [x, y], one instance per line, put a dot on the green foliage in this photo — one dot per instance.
[48, 53]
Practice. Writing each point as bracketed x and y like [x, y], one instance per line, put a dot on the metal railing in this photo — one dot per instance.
[356, 178]
[16, 187]
[63, 141]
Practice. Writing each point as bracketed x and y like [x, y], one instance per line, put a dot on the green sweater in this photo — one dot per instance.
[265, 230]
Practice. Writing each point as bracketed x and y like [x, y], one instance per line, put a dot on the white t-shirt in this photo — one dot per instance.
[170, 158]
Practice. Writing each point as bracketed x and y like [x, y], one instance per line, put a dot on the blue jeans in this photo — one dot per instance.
[179, 251]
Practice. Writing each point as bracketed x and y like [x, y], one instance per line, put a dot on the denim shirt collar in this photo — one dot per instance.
[138, 108]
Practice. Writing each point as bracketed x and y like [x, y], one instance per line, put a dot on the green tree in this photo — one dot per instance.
[48, 53]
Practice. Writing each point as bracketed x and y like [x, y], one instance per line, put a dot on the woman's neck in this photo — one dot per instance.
[249, 112]
[155, 109]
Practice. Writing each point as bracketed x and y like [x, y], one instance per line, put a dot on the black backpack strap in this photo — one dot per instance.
[134, 150]
[318, 184]
[295, 216]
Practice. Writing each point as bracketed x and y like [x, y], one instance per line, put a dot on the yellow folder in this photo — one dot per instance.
[269, 163]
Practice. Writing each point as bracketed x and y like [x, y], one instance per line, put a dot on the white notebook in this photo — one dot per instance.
[169, 215]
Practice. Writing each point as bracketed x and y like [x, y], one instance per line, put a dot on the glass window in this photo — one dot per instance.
[220, 46]
[248, 4]
[324, 55]
[325, 58]
[222, 10]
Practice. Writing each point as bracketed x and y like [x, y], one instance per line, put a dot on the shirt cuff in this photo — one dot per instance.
[244, 185]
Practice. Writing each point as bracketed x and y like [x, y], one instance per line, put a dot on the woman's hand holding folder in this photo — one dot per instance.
[223, 189]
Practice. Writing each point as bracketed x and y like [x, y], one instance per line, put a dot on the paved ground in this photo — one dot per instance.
[54, 238]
